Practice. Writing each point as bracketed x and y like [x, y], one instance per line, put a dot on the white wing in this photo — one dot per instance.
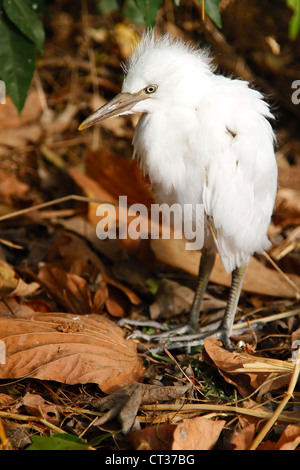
[241, 176]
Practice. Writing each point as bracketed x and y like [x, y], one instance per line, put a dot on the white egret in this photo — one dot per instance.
[202, 139]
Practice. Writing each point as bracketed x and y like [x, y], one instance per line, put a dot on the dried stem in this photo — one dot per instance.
[277, 414]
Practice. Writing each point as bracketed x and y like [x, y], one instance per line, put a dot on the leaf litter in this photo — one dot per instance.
[69, 371]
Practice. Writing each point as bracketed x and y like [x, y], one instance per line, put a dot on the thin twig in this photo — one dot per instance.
[59, 200]
[262, 414]
[19, 417]
[285, 277]
[268, 319]
[277, 414]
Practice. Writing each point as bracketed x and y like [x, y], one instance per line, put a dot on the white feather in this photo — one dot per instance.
[206, 139]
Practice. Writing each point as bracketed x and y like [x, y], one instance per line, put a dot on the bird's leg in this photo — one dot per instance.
[223, 331]
[234, 294]
[205, 268]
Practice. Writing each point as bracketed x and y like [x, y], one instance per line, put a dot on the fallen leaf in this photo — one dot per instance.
[21, 136]
[12, 285]
[70, 290]
[36, 405]
[287, 206]
[289, 177]
[246, 372]
[10, 186]
[197, 434]
[190, 434]
[119, 176]
[69, 349]
[289, 440]
[77, 247]
[242, 439]
[173, 299]
[158, 437]
[9, 116]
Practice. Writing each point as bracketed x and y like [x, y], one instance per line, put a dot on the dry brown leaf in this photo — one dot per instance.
[117, 304]
[9, 116]
[69, 349]
[244, 371]
[70, 290]
[36, 405]
[158, 437]
[12, 285]
[11, 186]
[119, 176]
[287, 206]
[19, 137]
[79, 259]
[289, 440]
[289, 177]
[197, 434]
[242, 439]
[190, 434]
[259, 279]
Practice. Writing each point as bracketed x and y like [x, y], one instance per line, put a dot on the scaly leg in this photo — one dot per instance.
[205, 268]
[182, 337]
[234, 294]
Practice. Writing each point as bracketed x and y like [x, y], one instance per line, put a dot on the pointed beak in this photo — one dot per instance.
[120, 104]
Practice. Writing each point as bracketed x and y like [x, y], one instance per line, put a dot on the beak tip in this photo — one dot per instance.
[83, 125]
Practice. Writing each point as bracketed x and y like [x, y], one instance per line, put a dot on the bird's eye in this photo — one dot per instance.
[150, 89]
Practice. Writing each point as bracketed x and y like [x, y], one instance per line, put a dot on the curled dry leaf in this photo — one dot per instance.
[12, 285]
[289, 440]
[69, 349]
[65, 278]
[246, 372]
[36, 405]
[70, 290]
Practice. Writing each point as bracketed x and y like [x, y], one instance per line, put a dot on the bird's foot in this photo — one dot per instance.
[179, 337]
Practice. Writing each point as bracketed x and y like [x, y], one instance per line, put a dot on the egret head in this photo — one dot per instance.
[161, 73]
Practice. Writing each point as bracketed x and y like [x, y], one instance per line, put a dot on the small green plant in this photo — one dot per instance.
[294, 24]
[21, 36]
[63, 441]
[145, 11]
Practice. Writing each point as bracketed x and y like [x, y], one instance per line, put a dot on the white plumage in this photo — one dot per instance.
[202, 139]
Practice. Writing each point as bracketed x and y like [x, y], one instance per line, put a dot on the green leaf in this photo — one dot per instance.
[107, 6]
[149, 9]
[26, 18]
[17, 61]
[294, 25]
[97, 440]
[57, 442]
[153, 285]
[132, 12]
[212, 8]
